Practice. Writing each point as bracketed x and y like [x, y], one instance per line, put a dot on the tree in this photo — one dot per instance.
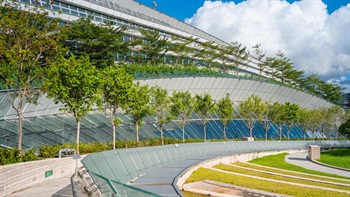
[160, 102]
[305, 115]
[116, 84]
[75, 83]
[337, 116]
[291, 115]
[138, 105]
[205, 106]
[223, 55]
[240, 55]
[344, 128]
[208, 53]
[154, 46]
[260, 55]
[280, 67]
[314, 120]
[182, 107]
[180, 47]
[100, 42]
[28, 42]
[277, 111]
[267, 115]
[225, 112]
[251, 110]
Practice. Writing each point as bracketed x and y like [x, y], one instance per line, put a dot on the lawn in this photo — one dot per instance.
[293, 173]
[277, 177]
[277, 161]
[338, 157]
[280, 188]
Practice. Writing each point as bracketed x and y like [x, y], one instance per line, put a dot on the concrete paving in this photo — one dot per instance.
[300, 159]
[59, 187]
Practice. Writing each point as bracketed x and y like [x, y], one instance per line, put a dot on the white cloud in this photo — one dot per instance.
[315, 41]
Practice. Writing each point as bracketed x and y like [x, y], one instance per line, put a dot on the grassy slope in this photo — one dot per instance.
[281, 188]
[280, 178]
[337, 157]
[277, 161]
[276, 170]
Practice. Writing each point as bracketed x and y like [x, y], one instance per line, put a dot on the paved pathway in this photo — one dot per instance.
[300, 159]
[59, 187]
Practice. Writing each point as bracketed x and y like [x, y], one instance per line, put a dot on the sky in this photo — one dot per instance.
[314, 34]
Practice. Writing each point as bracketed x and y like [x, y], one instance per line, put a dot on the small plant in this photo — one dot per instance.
[30, 155]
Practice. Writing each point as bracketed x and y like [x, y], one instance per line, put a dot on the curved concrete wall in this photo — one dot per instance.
[239, 89]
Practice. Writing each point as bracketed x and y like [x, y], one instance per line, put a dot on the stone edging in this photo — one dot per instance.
[244, 157]
[329, 166]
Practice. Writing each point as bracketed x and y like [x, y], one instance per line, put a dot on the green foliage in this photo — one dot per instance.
[225, 111]
[338, 157]
[205, 106]
[160, 102]
[147, 71]
[28, 43]
[48, 151]
[9, 156]
[182, 107]
[138, 105]
[154, 45]
[99, 42]
[251, 111]
[115, 85]
[29, 155]
[344, 128]
[291, 115]
[75, 83]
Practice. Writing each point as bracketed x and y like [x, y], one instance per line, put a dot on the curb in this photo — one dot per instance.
[326, 165]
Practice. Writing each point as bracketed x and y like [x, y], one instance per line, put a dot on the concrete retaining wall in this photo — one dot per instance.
[18, 176]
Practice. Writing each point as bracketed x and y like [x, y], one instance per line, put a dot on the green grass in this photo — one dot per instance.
[269, 186]
[337, 157]
[277, 177]
[275, 170]
[191, 194]
[277, 161]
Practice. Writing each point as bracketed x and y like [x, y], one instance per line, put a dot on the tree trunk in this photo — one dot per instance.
[314, 134]
[224, 132]
[281, 128]
[78, 136]
[205, 132]
[288, 134]
[161, 133]
[266, 134]
[113, 128]
[183, 133]
[304, 134]
[20, 129]
[251, 131]
[137, 131]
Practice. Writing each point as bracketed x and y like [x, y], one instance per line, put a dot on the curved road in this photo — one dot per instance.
[300, 159]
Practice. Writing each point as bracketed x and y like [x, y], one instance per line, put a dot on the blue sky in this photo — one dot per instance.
[182, 9]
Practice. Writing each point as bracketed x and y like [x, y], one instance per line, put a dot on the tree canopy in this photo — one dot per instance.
[74, 83]
[29, 42]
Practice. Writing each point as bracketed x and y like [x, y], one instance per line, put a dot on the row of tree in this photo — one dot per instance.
[71, 60]
[79, 86]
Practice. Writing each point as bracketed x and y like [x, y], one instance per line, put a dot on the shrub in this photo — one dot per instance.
[9, 156]
[29, 155]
